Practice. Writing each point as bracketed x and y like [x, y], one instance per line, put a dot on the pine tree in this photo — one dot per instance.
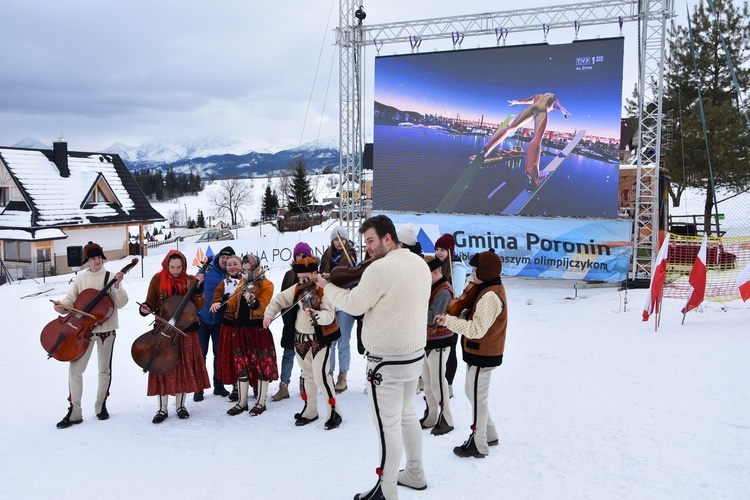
[727, 129]
[200, 219]
[270, 203]
[170, 184]
[300, 192]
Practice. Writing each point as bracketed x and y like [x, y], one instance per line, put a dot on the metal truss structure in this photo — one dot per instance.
[353, 35]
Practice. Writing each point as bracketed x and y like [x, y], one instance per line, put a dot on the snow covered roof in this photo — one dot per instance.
[32, 235]
[98, 190]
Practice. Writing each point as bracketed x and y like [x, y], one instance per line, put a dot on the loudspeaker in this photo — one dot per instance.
[367, 160]
[75, 256]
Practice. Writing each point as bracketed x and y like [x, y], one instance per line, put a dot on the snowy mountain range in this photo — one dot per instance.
[219, 156]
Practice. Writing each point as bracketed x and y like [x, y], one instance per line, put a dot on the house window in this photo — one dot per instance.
[24, 251]
[18, 251]
[4, 196]
[11, 250]
[98, 196]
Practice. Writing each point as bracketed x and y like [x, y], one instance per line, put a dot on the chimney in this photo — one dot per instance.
[60, 156]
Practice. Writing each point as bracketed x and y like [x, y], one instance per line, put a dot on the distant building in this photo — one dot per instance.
[53, 202]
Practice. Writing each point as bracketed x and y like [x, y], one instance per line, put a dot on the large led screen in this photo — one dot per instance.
[526, 130]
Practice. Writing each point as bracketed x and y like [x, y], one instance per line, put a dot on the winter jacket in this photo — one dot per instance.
[211, 279]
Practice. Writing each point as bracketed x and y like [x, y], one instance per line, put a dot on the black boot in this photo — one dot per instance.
[198, 396]
[104, 414]
[66, 421]
[441, 427]
[374, 494]
[235, 395]
[468, 449]
[334, 421]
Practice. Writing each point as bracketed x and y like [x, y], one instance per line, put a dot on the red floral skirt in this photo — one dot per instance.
[189, 375]
[254, 354]
[225, 370]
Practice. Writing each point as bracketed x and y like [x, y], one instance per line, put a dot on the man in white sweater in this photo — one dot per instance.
[103, 336]
[393, 294]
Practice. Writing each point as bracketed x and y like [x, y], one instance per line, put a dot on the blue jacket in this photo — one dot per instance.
[211, 280]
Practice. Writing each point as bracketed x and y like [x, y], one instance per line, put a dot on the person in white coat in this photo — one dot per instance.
[393, 294]
[103, 336]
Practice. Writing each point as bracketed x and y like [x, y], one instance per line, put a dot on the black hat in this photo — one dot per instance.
[305, 264]
[92, 250]
[433, 262]
[228, 251]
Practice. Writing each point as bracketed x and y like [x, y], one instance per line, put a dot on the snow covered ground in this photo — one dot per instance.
[590, 402]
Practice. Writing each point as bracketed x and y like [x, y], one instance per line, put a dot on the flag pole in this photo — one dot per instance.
[686, 311]
[658, 314]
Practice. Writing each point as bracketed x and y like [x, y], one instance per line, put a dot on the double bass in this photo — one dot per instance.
[67, 337]
[158, 350]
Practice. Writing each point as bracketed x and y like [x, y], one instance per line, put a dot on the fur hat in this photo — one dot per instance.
[305, 265]
[433, 262]
[340, 231]
[446, 242]
[228, 251]
[92, 250]
[302, 248]
[407, 234]
[488, 264]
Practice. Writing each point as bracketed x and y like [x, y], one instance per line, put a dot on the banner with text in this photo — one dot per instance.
[581, 249]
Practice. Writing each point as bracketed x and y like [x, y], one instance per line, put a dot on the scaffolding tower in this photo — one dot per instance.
[652, 16]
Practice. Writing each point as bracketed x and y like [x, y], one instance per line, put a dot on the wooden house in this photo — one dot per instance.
[53, 202]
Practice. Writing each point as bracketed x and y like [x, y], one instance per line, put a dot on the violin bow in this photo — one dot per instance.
[303, 297]
[450, 267]
[344, 249]
[158, 319]
[73, 309]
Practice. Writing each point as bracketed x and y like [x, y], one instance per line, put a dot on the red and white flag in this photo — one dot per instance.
[658, 271]
[697, 278]
[743, 283]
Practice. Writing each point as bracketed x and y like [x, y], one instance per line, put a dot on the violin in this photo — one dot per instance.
[158, 350]
[67, 338]
[465, 301]
[325, 334]
[244, 286]
[348, 277]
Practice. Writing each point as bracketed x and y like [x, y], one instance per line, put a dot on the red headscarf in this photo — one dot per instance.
[168, 283]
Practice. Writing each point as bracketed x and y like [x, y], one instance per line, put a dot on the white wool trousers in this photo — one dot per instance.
[75, 373]
[392, 385]
[436, 386]
[477, 390]
[315, 373]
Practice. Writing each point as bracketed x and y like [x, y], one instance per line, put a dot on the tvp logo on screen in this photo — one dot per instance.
[587, 63]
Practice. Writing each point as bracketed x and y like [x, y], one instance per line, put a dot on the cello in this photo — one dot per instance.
[67, 338]
[158, 350]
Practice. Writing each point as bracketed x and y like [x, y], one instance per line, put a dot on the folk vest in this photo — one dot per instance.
[488, 351]
[439, 336]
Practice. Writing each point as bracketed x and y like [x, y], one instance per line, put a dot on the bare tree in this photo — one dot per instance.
[231, 197]
[176, 218]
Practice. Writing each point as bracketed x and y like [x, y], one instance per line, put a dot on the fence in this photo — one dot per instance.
[17, 272]
[725, 258]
